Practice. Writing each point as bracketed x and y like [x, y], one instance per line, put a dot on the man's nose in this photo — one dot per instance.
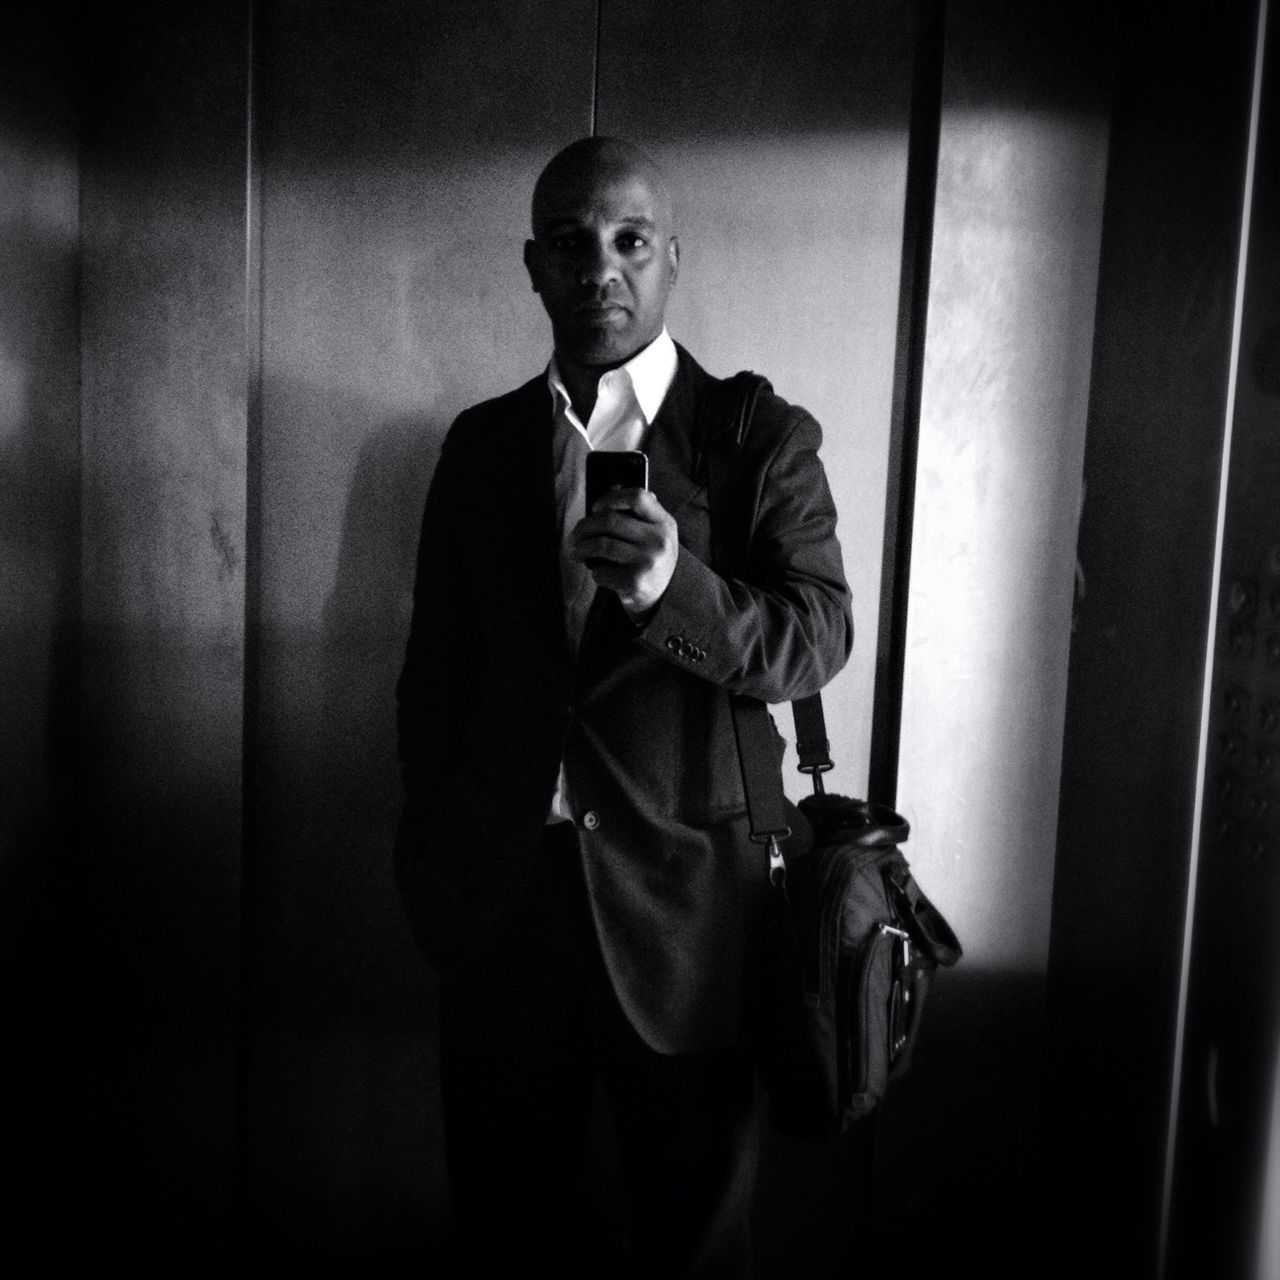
[598, 265]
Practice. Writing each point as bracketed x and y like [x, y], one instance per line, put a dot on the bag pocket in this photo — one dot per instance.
[863, 1006]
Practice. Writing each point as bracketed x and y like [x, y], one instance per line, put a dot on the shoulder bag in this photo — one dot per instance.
[853, 942]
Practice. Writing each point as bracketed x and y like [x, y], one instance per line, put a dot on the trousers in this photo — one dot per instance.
[526, 1041]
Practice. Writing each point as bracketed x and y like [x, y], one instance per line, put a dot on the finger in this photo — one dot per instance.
[622, 525]
[614, 550]
[640, 503]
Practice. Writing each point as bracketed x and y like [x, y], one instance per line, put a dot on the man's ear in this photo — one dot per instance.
[531, 263]
[673, 256]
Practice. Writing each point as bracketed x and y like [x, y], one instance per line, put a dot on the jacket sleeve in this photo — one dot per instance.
[782, 628]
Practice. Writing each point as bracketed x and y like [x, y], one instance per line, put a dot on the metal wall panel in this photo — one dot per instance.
[1017, 227]
[399, 147]
[1008, 345]
[39, 577]
[1231, 1053]
[163, 412]
[1137, 664]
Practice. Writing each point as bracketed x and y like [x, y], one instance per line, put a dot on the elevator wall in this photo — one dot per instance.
[1008, 349]
[1153, 464]
[296, 258]
[155, 901]
[39, 579]
[398, 147]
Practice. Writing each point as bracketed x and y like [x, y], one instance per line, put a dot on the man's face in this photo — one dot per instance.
[603, 259]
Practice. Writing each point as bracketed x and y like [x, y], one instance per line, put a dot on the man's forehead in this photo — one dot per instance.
[618, 182]
[626, 200]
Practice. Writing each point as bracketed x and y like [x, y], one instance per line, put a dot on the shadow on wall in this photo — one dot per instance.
[39, 589]
[343, 1128]
[366, 618]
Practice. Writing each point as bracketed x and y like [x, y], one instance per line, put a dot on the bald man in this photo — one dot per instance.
[574, 853]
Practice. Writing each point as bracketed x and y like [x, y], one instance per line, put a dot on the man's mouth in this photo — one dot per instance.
[598, 310]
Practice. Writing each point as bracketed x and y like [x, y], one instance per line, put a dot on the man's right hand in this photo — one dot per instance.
[629, 543]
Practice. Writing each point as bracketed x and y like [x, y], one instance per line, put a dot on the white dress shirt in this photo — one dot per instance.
[627, 401]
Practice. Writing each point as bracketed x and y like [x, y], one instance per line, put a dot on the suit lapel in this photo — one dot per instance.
[672, 443]
[529, 488]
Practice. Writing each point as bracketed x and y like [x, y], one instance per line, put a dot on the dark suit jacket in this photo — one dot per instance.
[491, 697]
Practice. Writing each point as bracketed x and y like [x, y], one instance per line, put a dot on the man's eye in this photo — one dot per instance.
[630, 241]
[564, 244]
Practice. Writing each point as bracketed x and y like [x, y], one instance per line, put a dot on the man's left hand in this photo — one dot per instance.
[630, 545]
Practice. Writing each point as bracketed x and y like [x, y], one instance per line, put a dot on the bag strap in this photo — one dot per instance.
[734, 402]
[812, 745]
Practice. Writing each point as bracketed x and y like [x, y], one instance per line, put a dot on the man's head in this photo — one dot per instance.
[604, 254]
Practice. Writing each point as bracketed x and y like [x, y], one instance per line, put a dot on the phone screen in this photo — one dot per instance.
[615, 469]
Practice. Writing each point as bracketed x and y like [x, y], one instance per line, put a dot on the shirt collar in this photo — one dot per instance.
[651, 370]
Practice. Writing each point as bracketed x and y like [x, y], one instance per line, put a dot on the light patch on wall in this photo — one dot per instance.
[393, 298]
[1007, 359]
[38, 223]
[404, 286]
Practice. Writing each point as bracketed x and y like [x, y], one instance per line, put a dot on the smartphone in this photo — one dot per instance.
[615, 469]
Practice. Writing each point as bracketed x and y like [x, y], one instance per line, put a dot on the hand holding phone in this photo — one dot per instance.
[631, 545]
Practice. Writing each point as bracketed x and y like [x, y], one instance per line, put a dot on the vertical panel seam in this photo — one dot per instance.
[595, 68]
[1171, 1131]
[919, 199]
[77, 628]
[253, 338]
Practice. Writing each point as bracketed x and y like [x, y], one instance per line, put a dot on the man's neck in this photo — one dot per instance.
[582, 382]
[654, 364]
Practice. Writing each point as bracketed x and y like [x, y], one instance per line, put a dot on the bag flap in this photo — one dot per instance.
[922, 920]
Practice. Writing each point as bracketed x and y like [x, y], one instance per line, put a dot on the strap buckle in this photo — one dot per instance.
[815, 772]
[777, 863]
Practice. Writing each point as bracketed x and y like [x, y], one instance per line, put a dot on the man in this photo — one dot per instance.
[574, 853]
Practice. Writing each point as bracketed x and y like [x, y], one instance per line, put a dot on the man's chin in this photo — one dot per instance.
[602, 349]
[602, 354]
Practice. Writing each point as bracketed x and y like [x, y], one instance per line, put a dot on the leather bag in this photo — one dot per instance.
[853, 942]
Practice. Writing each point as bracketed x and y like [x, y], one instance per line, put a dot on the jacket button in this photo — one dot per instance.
[673, 643]
[591, 819]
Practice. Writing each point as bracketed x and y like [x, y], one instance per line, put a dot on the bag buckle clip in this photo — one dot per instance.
[777, 864]
[900, 990]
